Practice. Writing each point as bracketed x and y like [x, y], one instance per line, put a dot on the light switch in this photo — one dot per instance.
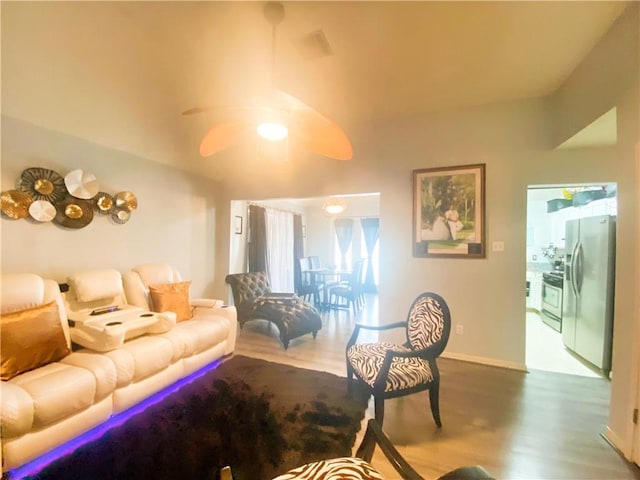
[498, 246]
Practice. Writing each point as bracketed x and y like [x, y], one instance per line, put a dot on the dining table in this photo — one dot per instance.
[323, 277]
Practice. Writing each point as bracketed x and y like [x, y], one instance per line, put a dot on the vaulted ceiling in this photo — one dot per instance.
[120, 73]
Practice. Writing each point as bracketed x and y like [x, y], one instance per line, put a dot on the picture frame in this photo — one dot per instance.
[237, 226]
[449, 212]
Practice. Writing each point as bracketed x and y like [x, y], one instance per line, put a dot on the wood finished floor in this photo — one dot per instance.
[538, 425]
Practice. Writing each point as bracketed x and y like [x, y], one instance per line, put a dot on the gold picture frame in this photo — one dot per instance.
[449, 212]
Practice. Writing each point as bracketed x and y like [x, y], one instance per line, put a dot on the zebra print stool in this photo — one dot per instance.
[388, 370]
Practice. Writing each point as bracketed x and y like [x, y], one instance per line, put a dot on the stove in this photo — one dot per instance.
[552, 285]
[554, 278]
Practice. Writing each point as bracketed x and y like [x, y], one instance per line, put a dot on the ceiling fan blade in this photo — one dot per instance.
[313, 130]
[195, 110]
[320, 135]
[222, 135]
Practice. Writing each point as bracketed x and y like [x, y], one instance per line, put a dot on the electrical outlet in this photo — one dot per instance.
[498, 246]
[459, 329]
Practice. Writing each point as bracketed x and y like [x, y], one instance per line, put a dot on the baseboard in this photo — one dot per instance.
[485, 361]
[616, 443]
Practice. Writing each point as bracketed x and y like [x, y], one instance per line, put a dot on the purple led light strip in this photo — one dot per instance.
[37, 464]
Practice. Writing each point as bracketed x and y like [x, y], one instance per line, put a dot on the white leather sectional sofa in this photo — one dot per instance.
[75, 389]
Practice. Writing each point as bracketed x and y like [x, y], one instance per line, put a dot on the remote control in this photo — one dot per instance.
[100, 311]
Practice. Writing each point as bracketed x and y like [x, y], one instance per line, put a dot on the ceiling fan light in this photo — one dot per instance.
[334, 206]
[273, 131]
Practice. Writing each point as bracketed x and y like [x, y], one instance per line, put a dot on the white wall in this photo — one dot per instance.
[175, 221]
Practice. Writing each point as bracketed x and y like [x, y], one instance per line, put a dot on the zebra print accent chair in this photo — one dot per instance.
[359, 466]
[389, 370]
[342, 468]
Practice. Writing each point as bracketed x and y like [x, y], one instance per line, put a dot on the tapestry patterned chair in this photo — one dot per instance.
[389, 370]
[254, 300]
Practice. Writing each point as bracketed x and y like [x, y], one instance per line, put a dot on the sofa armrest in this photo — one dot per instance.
[219, 313]
[206, 302]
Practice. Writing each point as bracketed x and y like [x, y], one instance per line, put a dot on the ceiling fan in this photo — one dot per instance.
[280, 116]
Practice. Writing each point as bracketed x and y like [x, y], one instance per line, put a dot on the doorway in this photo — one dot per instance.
[319, 238]
[549, 209]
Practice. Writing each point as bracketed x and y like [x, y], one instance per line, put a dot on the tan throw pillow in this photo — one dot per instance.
[172, 297]
[30, 339]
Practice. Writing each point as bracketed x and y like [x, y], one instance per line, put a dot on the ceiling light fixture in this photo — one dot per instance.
[273, 131]
[334, 206]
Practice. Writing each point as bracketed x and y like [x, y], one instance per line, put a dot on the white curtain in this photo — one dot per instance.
[280, 249]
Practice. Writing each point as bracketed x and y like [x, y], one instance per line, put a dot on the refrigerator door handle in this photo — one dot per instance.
[579, 261]
[571, 271]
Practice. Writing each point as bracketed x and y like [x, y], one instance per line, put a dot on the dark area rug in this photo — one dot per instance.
[259, 417]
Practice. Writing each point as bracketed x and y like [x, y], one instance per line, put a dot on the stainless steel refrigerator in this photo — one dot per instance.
[589, 278]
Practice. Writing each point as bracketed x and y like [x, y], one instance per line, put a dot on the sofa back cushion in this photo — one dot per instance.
[93, 289]
[30, 339]
[157, 273]
[22, 291]
[137, 281]
[95, 285]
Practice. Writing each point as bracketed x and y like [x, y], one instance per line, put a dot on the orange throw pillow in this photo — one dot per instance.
[173, 297]
[30, 339]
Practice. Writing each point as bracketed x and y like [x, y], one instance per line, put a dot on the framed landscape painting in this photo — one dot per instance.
[448, 212]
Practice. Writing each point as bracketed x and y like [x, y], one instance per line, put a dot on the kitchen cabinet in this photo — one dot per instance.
[558, 220]
[534, 300]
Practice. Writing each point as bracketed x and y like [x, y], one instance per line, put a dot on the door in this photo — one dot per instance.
[594, 276]
[569, 314]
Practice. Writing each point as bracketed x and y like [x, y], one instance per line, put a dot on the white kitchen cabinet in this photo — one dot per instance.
[534, 300]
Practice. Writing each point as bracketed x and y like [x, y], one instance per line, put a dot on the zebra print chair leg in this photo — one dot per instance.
[434, 400]
[393, 370]
[378, 405]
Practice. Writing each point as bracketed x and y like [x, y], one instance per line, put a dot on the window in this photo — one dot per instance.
[338, 255]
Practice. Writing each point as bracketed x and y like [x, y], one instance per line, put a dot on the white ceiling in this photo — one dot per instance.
[120, 73]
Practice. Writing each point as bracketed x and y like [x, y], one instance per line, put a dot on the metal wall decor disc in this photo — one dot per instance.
[121, 215]
[15, 203]
[104, 203]
[43, 184]
[81, 184]
[73, 213]
[126, 200]
[42, 211]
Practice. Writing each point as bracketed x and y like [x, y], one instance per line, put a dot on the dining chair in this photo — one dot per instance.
[351, 290]
[306, 285]
[315, 262]
[389, 370]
